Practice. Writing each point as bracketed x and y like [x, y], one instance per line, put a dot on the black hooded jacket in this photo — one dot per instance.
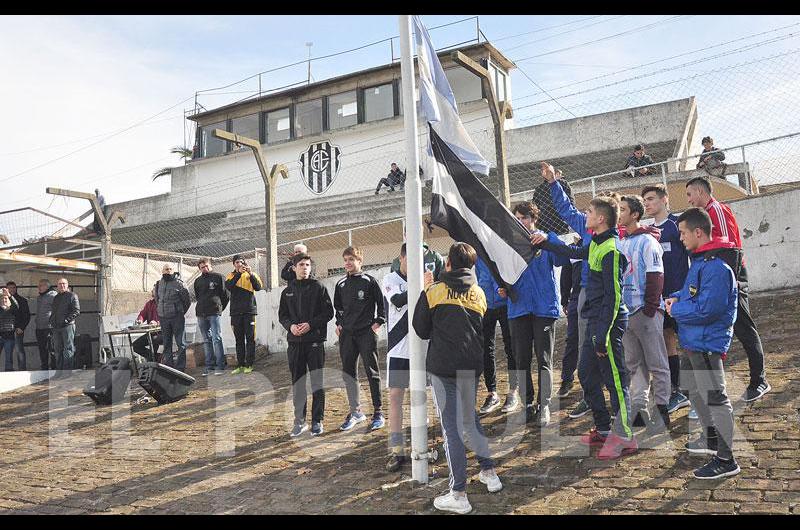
[449, 313]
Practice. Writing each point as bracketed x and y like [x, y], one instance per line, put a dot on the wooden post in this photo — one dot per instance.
[500, 112]
[270, 180]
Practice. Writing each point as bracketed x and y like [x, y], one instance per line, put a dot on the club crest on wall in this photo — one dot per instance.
[320, 165]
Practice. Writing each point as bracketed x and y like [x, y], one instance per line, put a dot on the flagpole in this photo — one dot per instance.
[419, 412]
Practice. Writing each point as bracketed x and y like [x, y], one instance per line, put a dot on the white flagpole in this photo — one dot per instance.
[419, 413]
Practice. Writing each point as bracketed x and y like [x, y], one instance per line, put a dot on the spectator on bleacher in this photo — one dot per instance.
[44, 331]
[23, 318]
[148, 315]
[637, 160]
[287, 274]
[394, 178]
[711, 159]
[548, 216]
[698, 194]
[66, 308]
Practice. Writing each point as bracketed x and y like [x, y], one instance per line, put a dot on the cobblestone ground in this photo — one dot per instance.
[225, 449]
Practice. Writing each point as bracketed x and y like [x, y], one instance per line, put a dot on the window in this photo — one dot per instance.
[466, 85]
[342, 110]
[378, 102]
[308, 118]
[210, 144]
[278, 128]
[246, 126]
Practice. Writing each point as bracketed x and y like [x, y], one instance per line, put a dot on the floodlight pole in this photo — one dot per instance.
[104, 291]
[500, 112]
[270, 179]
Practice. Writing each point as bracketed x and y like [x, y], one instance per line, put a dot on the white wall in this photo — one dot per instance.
[770, 226]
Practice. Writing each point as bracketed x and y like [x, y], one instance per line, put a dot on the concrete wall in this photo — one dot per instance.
[770, 226]
[601, 132]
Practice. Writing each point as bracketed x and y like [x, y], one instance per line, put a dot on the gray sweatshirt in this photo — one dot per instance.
[44, 307]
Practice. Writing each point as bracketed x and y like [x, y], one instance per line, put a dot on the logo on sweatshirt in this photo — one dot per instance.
[320, 165]
[360, 295]
[692, 290]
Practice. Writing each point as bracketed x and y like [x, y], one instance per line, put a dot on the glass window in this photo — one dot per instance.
[308, 118]
[278, 126]
[342, 110]
[378, 102]
[246, 126]
[466, 85]
[498, 82]
[211, 145]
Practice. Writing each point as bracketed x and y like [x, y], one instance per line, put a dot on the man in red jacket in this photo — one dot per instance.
[698, 194]
[148, 315]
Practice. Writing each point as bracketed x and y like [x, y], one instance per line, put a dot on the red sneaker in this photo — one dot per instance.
[616, 446]
[594, 438]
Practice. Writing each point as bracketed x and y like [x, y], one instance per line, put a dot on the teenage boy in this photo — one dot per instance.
[698, 193]
[496, 311]
[212, 299]
[395, 292]
[603, 361]
[705, 309]
[358, 302]
[449, 313]
[305, 310]
[243, 283]
[531, 318]
[642, 288]
[676, 267]
[577, 221]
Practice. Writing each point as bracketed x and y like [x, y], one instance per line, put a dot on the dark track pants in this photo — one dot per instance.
[45, 342]
[490, 320]
[307, 358]
[610, 371]
[532, 334]
[569, 362]
[351, 346]
[244, 329]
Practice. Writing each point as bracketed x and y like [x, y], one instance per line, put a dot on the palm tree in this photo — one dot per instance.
[185, 154]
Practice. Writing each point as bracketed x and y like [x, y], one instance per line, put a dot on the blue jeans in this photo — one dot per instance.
[174, 326]
[22, 364]
[7, 347]
[64, 346]
[211, 329]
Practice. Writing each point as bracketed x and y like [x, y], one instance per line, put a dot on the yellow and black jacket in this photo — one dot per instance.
[449, 313]
[242, 286]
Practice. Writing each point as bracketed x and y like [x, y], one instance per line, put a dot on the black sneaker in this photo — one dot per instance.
[395, 462]
[511, 403]
[299, 428]
[491, 403]
[717, 468]
[702, 446]
[316, 428]
[531, 414]
[581, 409]
[565, 388]
[754, 392]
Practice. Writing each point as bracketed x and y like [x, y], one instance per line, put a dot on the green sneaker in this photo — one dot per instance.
[238, 370]
[248, 369]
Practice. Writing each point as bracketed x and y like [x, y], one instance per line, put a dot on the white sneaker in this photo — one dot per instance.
[491, 480]
[544, 416]
[450, 503]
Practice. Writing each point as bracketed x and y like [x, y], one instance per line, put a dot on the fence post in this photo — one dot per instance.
[594, 189]
[350, 238]
[744, 178]
[146, 263]
[664, 173]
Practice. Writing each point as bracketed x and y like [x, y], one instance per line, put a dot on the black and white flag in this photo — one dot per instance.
[463, 206]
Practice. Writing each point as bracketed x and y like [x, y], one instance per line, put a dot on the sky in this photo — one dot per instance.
[98, 101]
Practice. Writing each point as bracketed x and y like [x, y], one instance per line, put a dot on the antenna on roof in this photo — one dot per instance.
[309, 45]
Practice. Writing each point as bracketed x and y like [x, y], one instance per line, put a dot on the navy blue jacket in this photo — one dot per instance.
[706, 306]
[576, 220]
[489, 285]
